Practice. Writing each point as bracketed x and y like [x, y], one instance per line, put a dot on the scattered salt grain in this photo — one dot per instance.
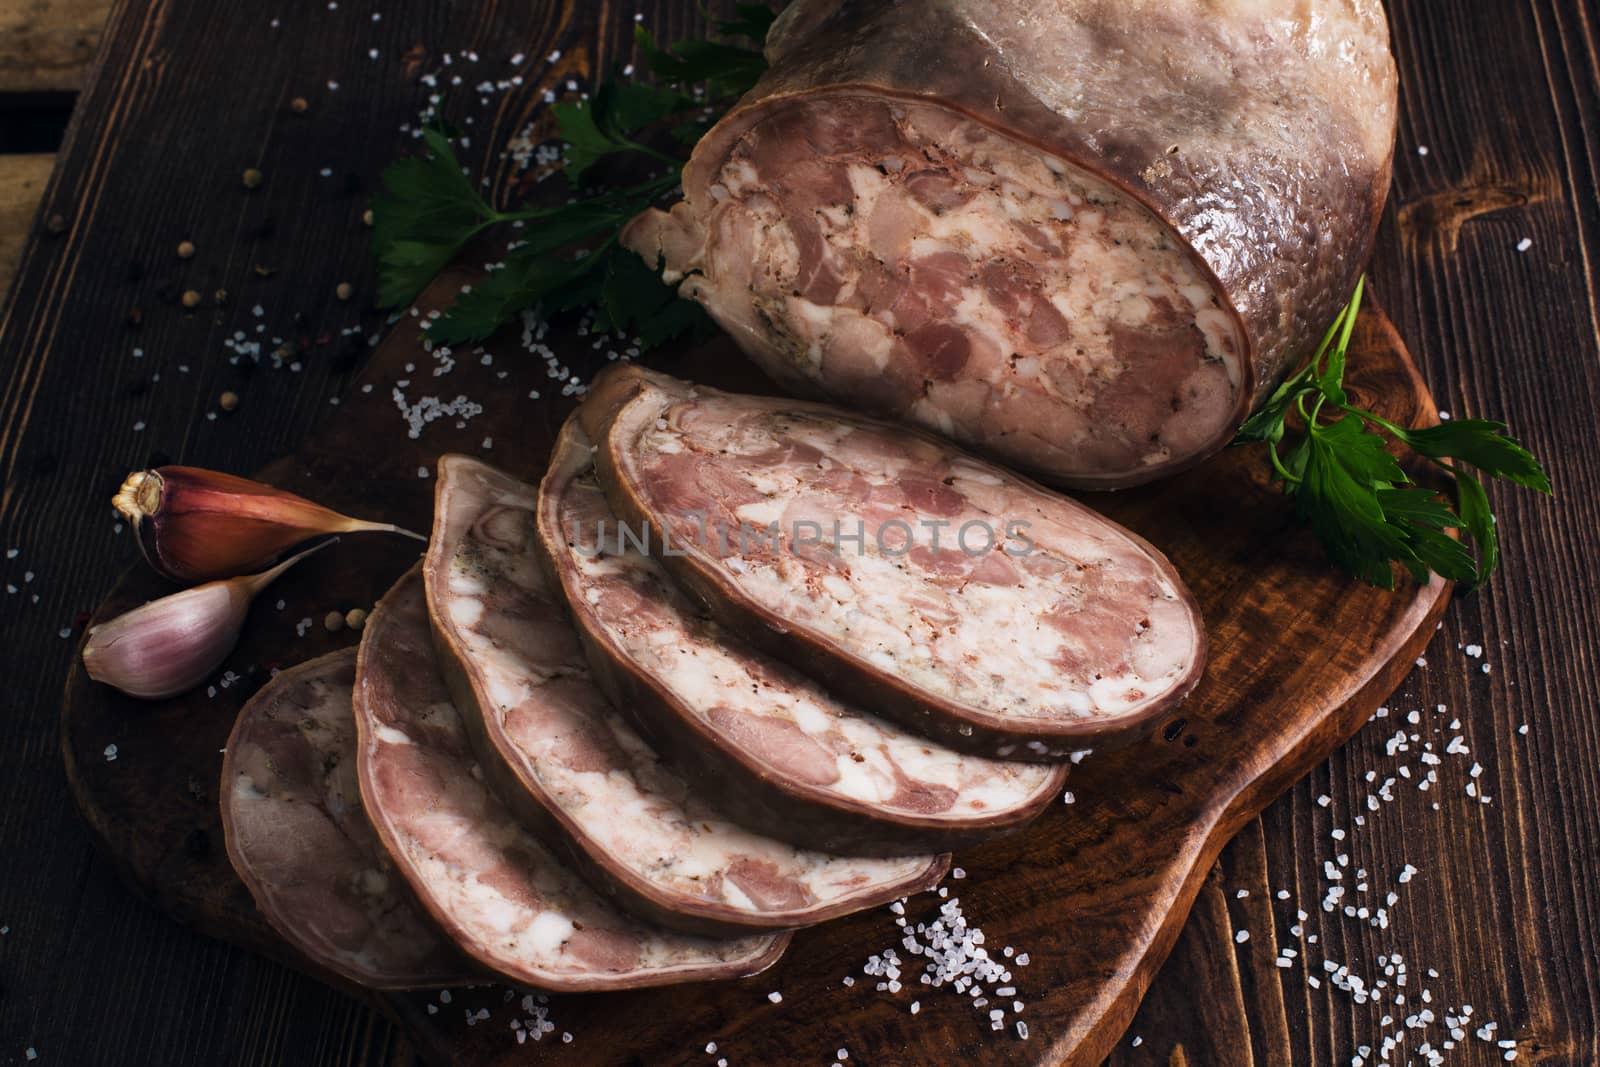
[775, 996]
[1524, 244]
[111, 753]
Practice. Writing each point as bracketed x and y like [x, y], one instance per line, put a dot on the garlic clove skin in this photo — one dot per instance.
[171, 645]
[197, 525]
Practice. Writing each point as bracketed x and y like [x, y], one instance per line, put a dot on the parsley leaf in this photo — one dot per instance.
[1353, 493]
[605, 125]
[567, 257]
[725, 69]
[426, 214]
[1342, 507]
[1485, 445]
[751, 21]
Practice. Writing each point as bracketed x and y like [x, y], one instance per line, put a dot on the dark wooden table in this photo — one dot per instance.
[103, 372]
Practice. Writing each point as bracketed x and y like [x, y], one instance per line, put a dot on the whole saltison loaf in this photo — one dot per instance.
[1083, 236]
[929, 586]
[760, 737]
[500, 893]
[574, 769]
[299, 837]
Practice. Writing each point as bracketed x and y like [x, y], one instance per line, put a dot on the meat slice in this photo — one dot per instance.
[301, 843]
[500, 893]
[1084, 237]
[932, 587]
[760, 737]
[574, 768]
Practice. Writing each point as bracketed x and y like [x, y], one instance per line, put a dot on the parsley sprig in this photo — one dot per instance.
[567, 256]
[1355, 495]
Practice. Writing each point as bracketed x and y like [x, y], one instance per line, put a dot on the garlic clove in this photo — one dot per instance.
[168, 646]
[196, 525]
[172, 644]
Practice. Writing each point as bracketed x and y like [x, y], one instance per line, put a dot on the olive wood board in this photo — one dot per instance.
[1095, 892]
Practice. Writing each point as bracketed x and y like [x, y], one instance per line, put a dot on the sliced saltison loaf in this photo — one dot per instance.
[919, 582]
[499, 892]
[1082, 237]
[300, 840]
[574, 769]
[758, 736]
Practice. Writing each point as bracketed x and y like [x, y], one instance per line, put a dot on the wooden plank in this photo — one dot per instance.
[48, 44]
[22, 182]
[1504, 99]
[1503, 94]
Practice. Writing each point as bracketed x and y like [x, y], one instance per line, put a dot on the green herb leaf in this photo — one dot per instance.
[1355, 495]
[431, 209]
[1344, 511]
[502, 295]
[1363, 454]
[751, 21]
[1442, 554]
[724, 69]
[1473, 504]
[607, 124]
[1417, 507]
[1485, 445]
[426, 214]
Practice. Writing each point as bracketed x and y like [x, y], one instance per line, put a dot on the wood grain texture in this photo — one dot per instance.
[48, 44]
[1505, 97]
[22, 181]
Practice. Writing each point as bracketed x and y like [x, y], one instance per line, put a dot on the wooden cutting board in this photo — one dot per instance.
[1095, 892]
